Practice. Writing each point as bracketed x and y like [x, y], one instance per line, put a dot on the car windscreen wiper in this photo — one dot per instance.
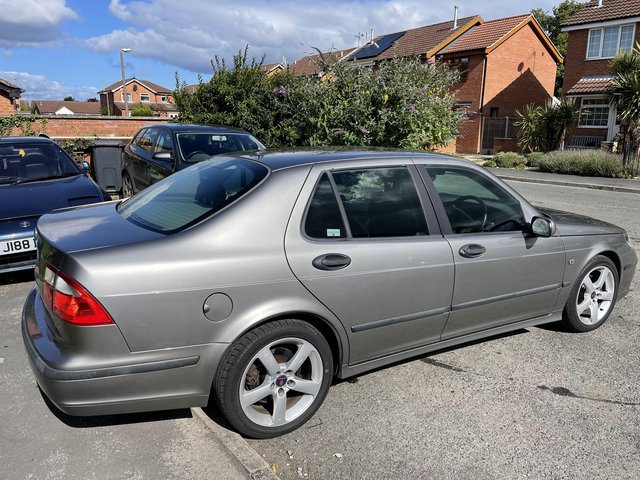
[50, 177]
[7, 179]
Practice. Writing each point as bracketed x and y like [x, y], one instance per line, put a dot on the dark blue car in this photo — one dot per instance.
[36, 176]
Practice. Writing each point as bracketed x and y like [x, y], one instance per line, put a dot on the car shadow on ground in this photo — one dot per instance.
[110, 420]
[22, 276]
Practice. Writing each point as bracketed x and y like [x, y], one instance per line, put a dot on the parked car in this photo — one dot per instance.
[160, 150]
[259, 278]
[36, 176]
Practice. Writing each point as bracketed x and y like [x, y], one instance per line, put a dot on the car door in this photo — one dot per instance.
[142, 160]
[365, 242]
[504, 273]
[159, 168]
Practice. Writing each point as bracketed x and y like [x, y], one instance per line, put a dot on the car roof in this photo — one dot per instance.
[288, 158]
[179, 127]
[10, 140]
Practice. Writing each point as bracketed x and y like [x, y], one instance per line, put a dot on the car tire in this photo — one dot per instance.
[274, 378]
[127, 186]
[593, 295]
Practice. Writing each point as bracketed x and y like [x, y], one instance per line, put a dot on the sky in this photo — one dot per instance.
[58, 48]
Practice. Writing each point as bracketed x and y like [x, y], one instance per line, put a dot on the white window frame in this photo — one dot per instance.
[602, 29]
[173, 115]
[603, 104]
[164, 99]
[128, 97]
[142, 98]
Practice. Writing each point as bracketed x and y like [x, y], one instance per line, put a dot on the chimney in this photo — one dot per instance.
[455, 17]
[371, 35]
[600, 3]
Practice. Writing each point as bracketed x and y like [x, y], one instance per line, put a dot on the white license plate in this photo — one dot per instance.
[8, 247]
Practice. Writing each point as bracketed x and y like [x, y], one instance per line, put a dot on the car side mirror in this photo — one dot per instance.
[166, 156]
[542, 227]
[86, 168]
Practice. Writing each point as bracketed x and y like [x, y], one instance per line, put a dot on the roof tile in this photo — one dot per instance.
[485, 35]
[610, 10]
[591, 84]
[79, 108]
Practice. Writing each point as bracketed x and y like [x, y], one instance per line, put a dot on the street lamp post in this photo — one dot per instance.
[124, 93]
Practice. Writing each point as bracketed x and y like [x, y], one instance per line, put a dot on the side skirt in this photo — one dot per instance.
[347, 371]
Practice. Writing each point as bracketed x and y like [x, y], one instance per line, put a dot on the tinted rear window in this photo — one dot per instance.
[193, 194]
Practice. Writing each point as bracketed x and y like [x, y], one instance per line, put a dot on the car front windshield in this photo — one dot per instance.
[191, 195]
[198, 146]
[27, 162]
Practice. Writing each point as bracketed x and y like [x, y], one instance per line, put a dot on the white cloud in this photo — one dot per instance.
[31, 22]
[190, 35]
[39, 87]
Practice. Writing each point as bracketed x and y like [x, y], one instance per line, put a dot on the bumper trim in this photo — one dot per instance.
[56, 374]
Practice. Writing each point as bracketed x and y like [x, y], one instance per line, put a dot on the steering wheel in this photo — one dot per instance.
[195, 153]
[458, 206]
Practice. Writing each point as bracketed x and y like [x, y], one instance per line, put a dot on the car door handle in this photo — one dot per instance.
[472, 250]
[331, 261]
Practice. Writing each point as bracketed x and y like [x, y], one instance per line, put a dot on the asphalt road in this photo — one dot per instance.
[538, 403]
[40, 443]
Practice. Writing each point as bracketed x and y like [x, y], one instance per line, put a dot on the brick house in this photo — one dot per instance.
[596, 32]
[61, 107]
[504, 65]
[157, 97]
[9, 97]
[312, 64]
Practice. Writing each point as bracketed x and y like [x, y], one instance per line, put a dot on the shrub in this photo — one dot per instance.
[141, 110]
[510, 160]
[533, 159]
[589, 163]
[490, 163]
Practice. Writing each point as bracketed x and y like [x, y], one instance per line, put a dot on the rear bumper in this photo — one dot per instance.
[146, 381]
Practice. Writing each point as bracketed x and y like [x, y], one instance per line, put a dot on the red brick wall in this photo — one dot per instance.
[6, 104]
[468, 139]
[505, 145]
[576, 64]
[58, 127]
[520, 71]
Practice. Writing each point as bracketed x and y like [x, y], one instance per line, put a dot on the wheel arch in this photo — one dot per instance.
[613, 256]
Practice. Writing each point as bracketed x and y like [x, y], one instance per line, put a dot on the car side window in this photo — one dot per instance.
[381, 202]
[323, 213]
[138, 138]
[474, 203]
[165, 141]
[148, 139]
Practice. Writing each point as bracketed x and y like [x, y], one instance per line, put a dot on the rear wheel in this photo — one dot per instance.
[593, 296]
[127, 185]
[274, 378]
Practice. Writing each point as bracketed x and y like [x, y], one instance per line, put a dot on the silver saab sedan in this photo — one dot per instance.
[255, 280]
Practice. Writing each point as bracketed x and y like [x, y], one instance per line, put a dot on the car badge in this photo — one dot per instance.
[25, 224]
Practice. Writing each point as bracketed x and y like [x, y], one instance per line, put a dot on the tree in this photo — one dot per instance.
[141, 110]
[403, 104]
[69, 99]
[94, 99]
[624, 89]
[551, 23]
[542, 128]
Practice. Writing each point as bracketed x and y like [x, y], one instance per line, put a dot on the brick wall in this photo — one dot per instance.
[6, 104]
[576, 64]
[520, 71]
[62, 127]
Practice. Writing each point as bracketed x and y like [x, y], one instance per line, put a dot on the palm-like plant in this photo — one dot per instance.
[624, 89]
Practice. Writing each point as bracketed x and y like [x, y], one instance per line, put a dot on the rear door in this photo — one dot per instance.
[503, 272]
[159, 168]
[364, 241]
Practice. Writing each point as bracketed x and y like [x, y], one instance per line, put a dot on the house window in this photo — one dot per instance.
[128, 96]
[594, 113]
[607, 42]
[462, 65]
[164, 99]
[144, 97]
[174, 115]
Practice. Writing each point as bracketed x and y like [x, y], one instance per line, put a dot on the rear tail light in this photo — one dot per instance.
[71, 301]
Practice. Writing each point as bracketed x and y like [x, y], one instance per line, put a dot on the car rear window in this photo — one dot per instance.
[188, 196]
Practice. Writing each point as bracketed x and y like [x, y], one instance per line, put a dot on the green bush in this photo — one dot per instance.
[490, 163]
[510, 160]
[588, 163]
[141, 110]
[533, 159]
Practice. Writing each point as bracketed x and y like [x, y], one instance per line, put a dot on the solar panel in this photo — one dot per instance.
[378, 47]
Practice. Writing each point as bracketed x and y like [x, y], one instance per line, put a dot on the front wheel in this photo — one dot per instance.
[127, 186]
[274, 378]
[593, 296]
